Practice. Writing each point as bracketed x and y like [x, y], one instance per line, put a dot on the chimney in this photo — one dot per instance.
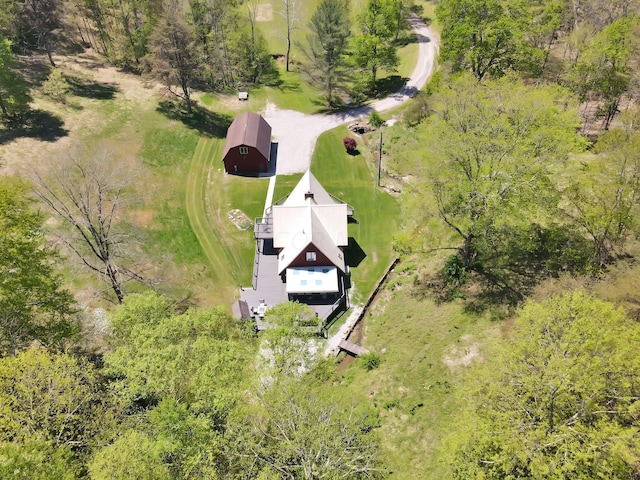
[308, 194]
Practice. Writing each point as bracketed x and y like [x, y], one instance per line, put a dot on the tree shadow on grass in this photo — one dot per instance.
[524, 257]
[37, 124]
[90, 89]
[389, 85]
[206, 122]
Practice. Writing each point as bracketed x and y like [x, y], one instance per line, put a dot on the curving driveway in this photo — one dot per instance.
[296, 133]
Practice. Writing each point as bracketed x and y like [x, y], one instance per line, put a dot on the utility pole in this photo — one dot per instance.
[380, 158]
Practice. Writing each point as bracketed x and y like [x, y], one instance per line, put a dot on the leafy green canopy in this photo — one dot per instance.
[374, 48]
[294, 432]
[602, 195]
[33, 305]
[14, 92]
[182, 374]
[36, 459]
[559, 399]
[489, 162]
[52, 404]
[289, 346]
[195, 358]
[485, 36]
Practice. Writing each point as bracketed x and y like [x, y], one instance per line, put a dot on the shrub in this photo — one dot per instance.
[56, 86]
[370, 361]
[350, 144]
[375, 119]
[455, 271]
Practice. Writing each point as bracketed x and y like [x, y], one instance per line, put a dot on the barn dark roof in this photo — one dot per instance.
[249, 129]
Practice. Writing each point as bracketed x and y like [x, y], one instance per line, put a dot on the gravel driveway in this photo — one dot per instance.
[296, 133]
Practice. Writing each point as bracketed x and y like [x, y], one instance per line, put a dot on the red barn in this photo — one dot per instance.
[248, 145]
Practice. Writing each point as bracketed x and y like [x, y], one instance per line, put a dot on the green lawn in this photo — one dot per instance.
[378, 213]
[290, 92]
[210, 196]
[284, 185]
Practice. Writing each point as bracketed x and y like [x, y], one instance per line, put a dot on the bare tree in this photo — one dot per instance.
[37, 20]
[87, 192]
[290, 16]
[174, 55]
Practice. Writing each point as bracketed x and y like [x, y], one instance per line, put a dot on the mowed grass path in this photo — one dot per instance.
[210, 196]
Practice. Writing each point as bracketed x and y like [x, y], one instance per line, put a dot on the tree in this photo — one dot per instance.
[195, 358]
[215, 21]
[296, 434]
[288, 347]
[291, 16]
[54, 397]
[36, 459]
[249, 54]
[374, 48]
[134, 455]
[547, 19]
[327, 43]
[603, 195]
[33, 304]
[87, 193]
[484, 36]
[559, 401]
[56, 86]
[489, 158]
[8, 12]
[174, 58]
[602, 73]
[37, 19]
[14, 93]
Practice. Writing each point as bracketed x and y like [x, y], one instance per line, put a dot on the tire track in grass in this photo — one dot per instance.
[208, 234]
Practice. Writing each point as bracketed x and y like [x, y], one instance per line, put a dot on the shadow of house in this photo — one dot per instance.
[353, 253]
[247, 150]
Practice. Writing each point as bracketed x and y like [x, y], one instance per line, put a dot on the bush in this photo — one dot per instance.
[454, 271]
[350, 144]
[375, 119]
[56, 86]
[370, 361]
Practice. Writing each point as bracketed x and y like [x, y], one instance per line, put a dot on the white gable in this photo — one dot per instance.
[310, 215]
[308, 230]
[309, 190]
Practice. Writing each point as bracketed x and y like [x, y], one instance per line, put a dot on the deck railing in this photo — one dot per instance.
[263, 228]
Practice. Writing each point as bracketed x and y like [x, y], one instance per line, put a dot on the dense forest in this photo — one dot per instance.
[504, 345]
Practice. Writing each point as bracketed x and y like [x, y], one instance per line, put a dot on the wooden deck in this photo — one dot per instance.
[352, 348]
[268, 286]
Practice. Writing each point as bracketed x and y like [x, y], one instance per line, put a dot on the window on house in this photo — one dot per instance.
[311, 256]
[244, 150]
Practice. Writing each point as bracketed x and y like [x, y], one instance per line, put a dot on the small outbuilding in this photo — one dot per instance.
[248, 146]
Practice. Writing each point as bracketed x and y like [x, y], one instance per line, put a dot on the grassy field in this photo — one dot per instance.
[211, 196]
[427, 350]
[230, 251]
[351, 179]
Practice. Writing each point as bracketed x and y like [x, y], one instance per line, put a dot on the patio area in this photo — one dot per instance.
[268, 287]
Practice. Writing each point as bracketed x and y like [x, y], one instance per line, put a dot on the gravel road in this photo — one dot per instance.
[296, 133]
